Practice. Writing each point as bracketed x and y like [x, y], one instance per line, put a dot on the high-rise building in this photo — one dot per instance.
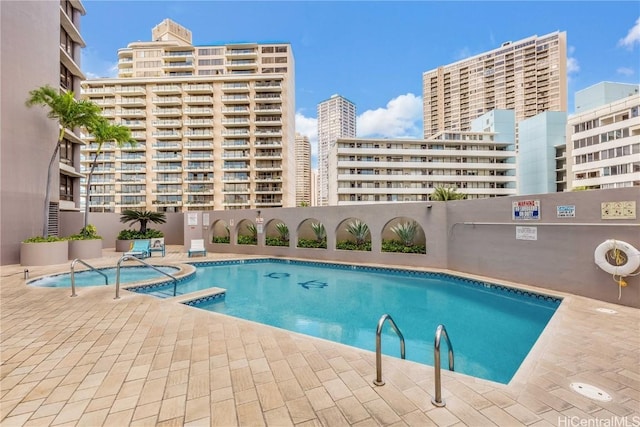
[603, 138]
[214, 125]
[40, 45]
[336, 119]
[478, 163]
[303, 170]
[528, 76]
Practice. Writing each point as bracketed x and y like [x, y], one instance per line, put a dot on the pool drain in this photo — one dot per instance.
[592, 392]
[606, 310]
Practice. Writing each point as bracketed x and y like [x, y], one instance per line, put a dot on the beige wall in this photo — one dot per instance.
[561, 259]
[30, 58]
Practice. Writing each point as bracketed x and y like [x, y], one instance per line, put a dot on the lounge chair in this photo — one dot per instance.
[140, 249]
[197, 247]
[157, 246]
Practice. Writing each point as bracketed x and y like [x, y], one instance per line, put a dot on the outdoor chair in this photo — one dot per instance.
[197, 247]
[157, 245]
[140, 249]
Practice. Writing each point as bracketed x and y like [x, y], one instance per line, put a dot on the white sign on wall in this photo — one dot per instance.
[566, 211]
[526, 233]
[192, 218]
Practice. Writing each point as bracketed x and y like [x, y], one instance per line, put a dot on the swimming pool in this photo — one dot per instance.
[492, 327]
[91, 278]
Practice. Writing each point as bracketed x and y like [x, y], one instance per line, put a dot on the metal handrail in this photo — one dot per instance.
[73, 276]
[132, 258]
[378, 381]
[440, 330]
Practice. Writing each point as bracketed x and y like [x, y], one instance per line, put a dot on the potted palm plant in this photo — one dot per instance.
[361, 237]
[126, 236]
[70, 114]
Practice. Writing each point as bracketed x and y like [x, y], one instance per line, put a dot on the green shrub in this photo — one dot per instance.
[276, 241]
[312, 243]
[128, 234]
[221, 239]
[90, 232]
[398, 246]
[353, 246]
[247, 240]
[40, 239]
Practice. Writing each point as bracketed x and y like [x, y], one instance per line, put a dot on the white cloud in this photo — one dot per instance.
[402, 118]
[95, 67]
[632, 37]
[572, 65]
[625, 71]
[308, 126]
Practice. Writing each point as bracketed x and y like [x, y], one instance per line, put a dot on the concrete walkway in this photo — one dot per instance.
[95, 361]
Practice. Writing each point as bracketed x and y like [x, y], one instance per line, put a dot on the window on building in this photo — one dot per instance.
[66, 188]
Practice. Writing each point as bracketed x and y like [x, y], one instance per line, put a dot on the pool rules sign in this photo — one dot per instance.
[525, 210]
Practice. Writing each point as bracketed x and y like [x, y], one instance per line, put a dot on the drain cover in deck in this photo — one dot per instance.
[590, 391]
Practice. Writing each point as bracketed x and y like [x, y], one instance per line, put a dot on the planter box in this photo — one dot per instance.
[123, 245]
[85, 249]
[44, 253]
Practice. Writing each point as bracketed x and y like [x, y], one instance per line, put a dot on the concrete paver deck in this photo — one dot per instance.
[95, 361]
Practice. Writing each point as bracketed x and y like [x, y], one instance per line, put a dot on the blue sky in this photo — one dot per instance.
[374, 52]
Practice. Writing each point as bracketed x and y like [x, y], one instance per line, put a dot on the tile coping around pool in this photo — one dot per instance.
[553, 301]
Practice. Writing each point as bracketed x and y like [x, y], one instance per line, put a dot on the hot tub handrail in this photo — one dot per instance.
[440, 330]
[73, 277]
[132, 258]
[378, 381]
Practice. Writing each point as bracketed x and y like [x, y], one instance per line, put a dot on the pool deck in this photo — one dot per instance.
[92, 360]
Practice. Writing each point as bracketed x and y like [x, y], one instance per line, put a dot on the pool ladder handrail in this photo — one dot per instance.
[378, 381]
[73, 277]
[132, 258]
[440, 330]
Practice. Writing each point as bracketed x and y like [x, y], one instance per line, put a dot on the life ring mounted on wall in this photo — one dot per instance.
[617, 257]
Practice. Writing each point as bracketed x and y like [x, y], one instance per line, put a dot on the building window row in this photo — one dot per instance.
[601, 138]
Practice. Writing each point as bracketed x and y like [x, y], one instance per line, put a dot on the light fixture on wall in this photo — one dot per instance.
[258, 213]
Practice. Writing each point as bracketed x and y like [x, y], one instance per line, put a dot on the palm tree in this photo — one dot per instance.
[406, 232]
[143, 217]
[70, 114]
[283, 231]
[443, 194]
[319, 231]
[104, 131]
[359, 230]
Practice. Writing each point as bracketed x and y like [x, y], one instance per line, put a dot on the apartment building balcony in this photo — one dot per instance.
[128, 168]
[200, 203]
[242, 53]
[167, 157]
[198, 88]
[167, 191]
[99, 91]
[236, 166]
[235, 132]
[105, 102]
[265, 201]
[236, 155]
[235, 99]
[199, 189]
[233, 177]
[268, 86]
[137, 147]
[198, 111]
[166, 134]
[199, 134]
[268, 121]
[137, 179]
[268, 97]
[134, 124]
[199, 155]
[128, 158]
[198, 100]
[268, 188]
[99, 170]
[266, 155]
[161, 202]
[167, 145]
[128, 192]
[139, 135]
[242, 64]
[268, 109]
[125, 72]
[198, 122]
[166, 89]
[167, 167]
[199, 166]
[177, 55]
[235, 122]
[199, 178]
[236, 110]
[109, 112]
[235, 87]
[268, 165]
[167, 112]
[268, 142]
[268, 132]
[131, 90]
[125, 63]
[232, 144]
[199, 144]
[178, 66]
[168, 179]
[131, 112]
[167, 100]
[175, 123]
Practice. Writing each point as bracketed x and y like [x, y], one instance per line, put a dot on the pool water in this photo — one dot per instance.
[91, 278]
[492, 328]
